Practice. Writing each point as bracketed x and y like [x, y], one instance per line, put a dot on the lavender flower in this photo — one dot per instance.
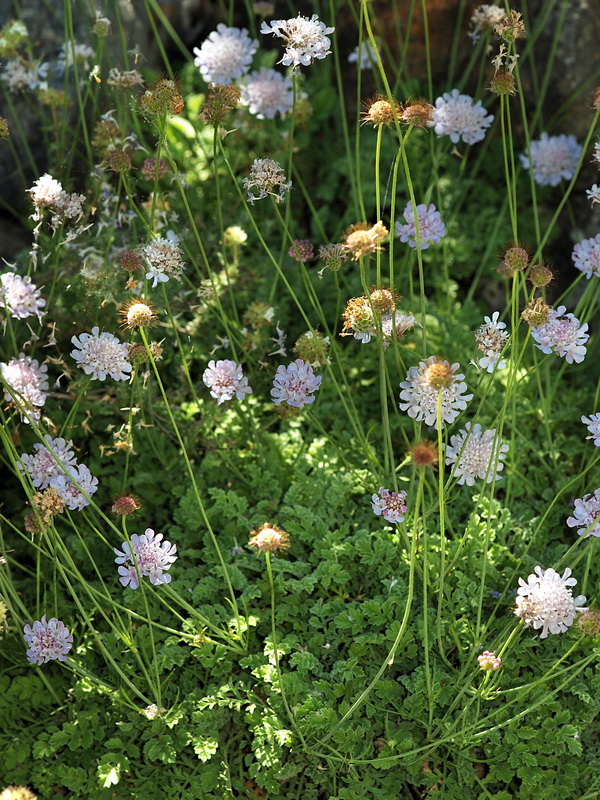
[476, 454]
[225, 55]
[28, 380]
[48, 640]
[431, 227]
[101, 354]
[593, 426]
[424, 383]
[295, 384]
[586, 517]
[20, 296]
[225, 379]
[546, 601]
[459, 117]
[552, 158]
[390, 505]
[586, 256]
[562, 334]
[73, 487]
[305, 39]
[42, 465]
[267, 93]
[145, 556]
[491, 339]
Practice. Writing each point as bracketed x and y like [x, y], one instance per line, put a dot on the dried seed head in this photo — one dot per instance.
[589, 622]
[439, 375]
[4, 132]
[361, 241]
[510, 27]
[536, 312]
[220, 100]
[125, 505]
[161, 98]
[424, 454]
[505, 271]
[383, 301]
[119, 161]
[516, 257]
[503, 83]
[312, 348]
[418, 113]
[540, 275]
[269, 538]
[333, 256]
[259, 314]
[379, 111]
[137, 314]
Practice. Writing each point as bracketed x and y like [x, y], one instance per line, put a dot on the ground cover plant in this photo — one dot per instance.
[300, 408]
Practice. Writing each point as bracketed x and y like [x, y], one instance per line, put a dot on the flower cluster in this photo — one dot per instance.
[267, 93]
[476, 454]
[225, 379]
[145, 556]
[586, 517]
[593, 194]
[485, 18]
[553, 158]
[48, 640]
[586, 256]
[295, 384]
[364, 316]
[562, 334]
[431, 380]
[546, 601]
[101, 354]
[305, 39]
[431, 227]
[389, 505]
[593, 426]
[489, 661]
[267, 176]
[163, 257]
[491, 337]
[29, 382]
[225, 55]
[48, 193]
[44, 464]
[459, 117]
[20, 296]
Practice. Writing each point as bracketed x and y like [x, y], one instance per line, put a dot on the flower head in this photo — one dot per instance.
[46, 191]
[476, 454]
[295, 384]
[74, 486]
[431, 227]
[302, 250]
[593, 194]
[491, 338]
[42, 466]
[361, 241]
[488, 661]
[389, 505]
[424, 453]
[226, 379]
[225, 55]
[163, 257]
[593, 426]
[540, 275]
[418, 113]
[101, 355]
[267, 93]
[380, 111]
[28, 381]
[546, 601]
[20, 296]
[459, 117]
[485, 18]
[588, 623]
[586, 517]
[552, 158]
[395, 325]
[305, 39]
[145, 556]
[48, 640]
[586, 256]
[17, 793]
[137, 314]
[220, 100]
[333, 257]
[419, 395]
[269, 538]
[536, 312]
[562, 334]
[267, 176]
[125, 505]
[359, 319]
[312, 347]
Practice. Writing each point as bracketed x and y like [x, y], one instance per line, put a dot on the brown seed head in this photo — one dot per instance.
[379, 111]
[589, 622]
[439, 375]
[540, 275]
[119, 161]
[125, 505]
[418, 113]
[163, 97]
[424, 454]
[516, 257]
[131, 261]
[269, 538]
[536, 312]
[503, 83]
[220, 100]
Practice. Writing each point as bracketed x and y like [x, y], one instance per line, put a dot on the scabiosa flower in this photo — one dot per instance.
[226, 379]
[225, 55]
[546, 601]
[359, 319]
[593, 426]
[312, 347]
[46, 191]
[379, 111]
[488, 661]
[267, 93]
[302, 250]
[28, 380]
[42, 465]
[333, 257]
[295, 384]
[424, 453]
[431, 227]
[485, 18]
[476, 454]
[459, 117]
[552, 158]
[305, 39]
[137, 314]
[390, 505]
[269, 539]
[490, 339]
[361, 241]
[364, 55]
[586, 517]
[596, 156]
[149, 170]
[164, 259]
[101, 354]
[20, 296]
[593, 194]
[586, 256]
[562, 334]
[588, 623]
[73, 487]
[145, 556]
[48, 640]
[419, 395]
[395, 325]
[266, 175]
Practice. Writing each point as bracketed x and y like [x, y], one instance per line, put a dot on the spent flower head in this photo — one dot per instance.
[553, 158]
[546, 601]
[586, 517]
[333, 257]
[588, 623]
[268, 177]
[476, 455]
[458, 116]
[424, 453]
[540, 275]
[361, 241]
[536, 312]
[101, 355]
[424, 384]
[125, 505]
[485, 18]
[380, 111]
[48, 640]
[418, 113]
[359, 319]
[225, 55]
[220, 100]
[305, 39]
[312, 348]
[510, 26]
[269, 539]
[143, 556]
[491, 337]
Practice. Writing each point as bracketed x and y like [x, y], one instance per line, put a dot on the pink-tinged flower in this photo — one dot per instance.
[295, 384]
[586, 256]
[305, 39]
[459, 117]
[226, 379]
[424, 383]
[148, 169]
[102, 354]
[586, 517]
[73, 487]
[476, 455]
[42, 465]
[302, 250]
[28, 381]
[390, 505]
[546, 601]
[225, 55]
[431, 227]
[267, 93]
[146, 556]
[48, 640]
[593, 426]
[562, 334]
[553, 158]
[488, 661]
[20, 296]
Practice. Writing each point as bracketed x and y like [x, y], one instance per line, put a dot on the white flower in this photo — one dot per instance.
[42, 466]
[266, 175]
[226, 379]
[19, 75]
[562, 334]
[593, 426]
[365, 55]
[20, 296]
[491, 338]
[459, 117]
[267, 93]
[593, 193]
[305, 39]
[71, 53]
[164, 259]
[46, 191]
[394, 326]
[546, 601]
[29, 381]
[596, 156]
[586, 256]
[145, 556]
[102, 354]
[225, 55]
[71, 487]
[553, 158]
[586, 516]
[424, 383]
[476, 454]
